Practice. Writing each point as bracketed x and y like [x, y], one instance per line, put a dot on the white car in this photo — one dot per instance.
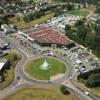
[86, 92]
[70, 77]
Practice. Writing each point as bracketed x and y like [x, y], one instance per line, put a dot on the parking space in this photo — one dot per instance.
[60, 21]
[80, 58]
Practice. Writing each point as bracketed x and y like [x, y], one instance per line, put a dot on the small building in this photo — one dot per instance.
[3, 44]
[7, 28]
[45, 36]
[3, 65]
[78, 61]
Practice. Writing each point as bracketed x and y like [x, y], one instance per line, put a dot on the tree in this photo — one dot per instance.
[82, 32]
[80, 22]
[93, 80]
[2, 78]
[64, 90]
[67, 27]
[67, 30]
[90, 39]
[12, 57]
[70, 6]
[98, 7]
[26, 18]
[97, 29]
[31, 1]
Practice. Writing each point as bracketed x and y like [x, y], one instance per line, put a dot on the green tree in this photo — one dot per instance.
[64, 90]
[90, 39]
[98, 7]
[82, 32]
[12, 57]
[93, 80]
[67, 27]
[80, 22]
[26, 18]
[70, 6]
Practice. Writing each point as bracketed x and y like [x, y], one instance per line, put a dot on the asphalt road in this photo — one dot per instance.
[26, 80]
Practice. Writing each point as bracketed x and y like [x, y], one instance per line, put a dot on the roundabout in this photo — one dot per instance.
[44, 68]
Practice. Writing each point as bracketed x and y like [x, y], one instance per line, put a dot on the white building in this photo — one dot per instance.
[2, 64]
[7, 28]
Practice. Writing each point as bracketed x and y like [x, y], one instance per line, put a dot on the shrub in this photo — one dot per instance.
[64, 90]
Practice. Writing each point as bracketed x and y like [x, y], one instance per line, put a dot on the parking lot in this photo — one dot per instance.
[62, 20]
[81, 59]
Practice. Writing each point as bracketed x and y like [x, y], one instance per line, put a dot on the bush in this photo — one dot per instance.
[87, 74]
[90, 79]
[12, 57]
[93, 80]
[64, 90]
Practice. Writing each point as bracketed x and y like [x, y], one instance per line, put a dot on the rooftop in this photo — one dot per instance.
[2, 63]
[44, 34]
[2, 43]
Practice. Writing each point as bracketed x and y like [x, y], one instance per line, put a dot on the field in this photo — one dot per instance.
[33, 69]
[40, 93]
[80, 12]
[24, 25]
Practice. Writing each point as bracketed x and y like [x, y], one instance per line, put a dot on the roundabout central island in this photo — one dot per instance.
[45, 68]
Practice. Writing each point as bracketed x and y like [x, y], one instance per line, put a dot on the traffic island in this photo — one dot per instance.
[44, 68]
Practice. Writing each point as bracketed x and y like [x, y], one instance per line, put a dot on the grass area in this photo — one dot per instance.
[34, 70]
[24, 25]
[95, 90]
[40, 93]
[9, 74]
[80, 12]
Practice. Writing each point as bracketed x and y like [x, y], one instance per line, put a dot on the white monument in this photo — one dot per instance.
[45, 65]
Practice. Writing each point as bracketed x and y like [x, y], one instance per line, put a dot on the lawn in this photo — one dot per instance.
[40, 93]
[80, 12]
[34, 70]
[24, 25]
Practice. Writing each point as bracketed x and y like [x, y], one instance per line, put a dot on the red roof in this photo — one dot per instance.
[44, 34]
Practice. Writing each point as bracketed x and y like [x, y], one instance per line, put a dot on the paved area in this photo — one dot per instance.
[24, 80]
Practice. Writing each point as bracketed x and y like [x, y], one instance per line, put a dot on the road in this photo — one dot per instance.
[24, 80]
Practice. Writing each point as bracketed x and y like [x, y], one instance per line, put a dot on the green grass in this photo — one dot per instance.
[24, 25]
[80, 12]
[40, 93]
[33, 68]
[96, 91]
